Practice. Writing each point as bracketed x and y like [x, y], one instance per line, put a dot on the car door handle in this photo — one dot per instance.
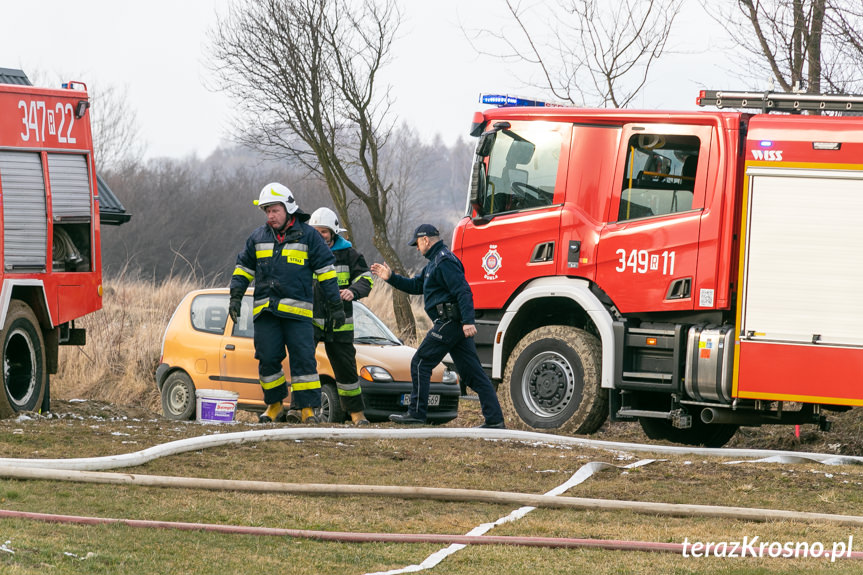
[230, 347]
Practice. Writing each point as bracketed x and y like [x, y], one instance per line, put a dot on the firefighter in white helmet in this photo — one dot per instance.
[285, 258]
[355, 282]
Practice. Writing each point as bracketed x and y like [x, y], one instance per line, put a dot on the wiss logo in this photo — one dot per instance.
[768, 155]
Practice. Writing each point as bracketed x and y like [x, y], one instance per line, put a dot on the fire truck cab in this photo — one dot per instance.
[691, 270]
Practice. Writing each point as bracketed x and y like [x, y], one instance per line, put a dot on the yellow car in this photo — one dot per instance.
[203, 349]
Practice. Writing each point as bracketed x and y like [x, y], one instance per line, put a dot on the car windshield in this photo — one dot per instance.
[369, 329]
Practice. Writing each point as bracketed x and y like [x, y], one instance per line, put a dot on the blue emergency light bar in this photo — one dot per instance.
[504, 100]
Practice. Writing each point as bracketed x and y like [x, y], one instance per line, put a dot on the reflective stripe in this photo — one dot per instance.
[321, 323]
[366, 276]
[296, 253]
[244, 272]
[305, 382]
[295, 257]
[343, 273]
[264, 250]
[349, 389]
[295, 306]
[326, 273]
[260, 304]
[271, 381]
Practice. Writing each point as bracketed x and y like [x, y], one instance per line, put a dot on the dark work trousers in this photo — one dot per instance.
[447, 337]
[274, 334]
[343, 359]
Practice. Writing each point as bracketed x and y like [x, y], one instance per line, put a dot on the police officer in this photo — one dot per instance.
[283, 257]
[449, 303]
[355, 282]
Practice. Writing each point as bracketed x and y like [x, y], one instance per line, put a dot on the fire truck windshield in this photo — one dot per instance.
[517, 168]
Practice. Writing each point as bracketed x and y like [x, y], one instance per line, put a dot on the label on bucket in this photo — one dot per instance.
[211, 409]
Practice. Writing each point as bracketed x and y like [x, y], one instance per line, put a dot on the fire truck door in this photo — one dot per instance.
[648, 250]
[514, 238]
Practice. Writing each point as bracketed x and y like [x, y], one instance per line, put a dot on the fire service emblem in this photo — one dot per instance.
[491, 263]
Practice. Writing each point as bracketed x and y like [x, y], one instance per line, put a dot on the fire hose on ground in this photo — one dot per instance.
[79, 470]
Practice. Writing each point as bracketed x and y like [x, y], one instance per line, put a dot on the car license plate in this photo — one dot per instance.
[434, 399]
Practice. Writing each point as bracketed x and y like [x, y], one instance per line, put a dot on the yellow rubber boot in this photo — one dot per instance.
[308, 415]
[359, 418]
[272, 412]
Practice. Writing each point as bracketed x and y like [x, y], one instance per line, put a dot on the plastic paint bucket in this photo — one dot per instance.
[216, 405]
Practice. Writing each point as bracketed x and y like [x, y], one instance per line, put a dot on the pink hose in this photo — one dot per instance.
[342, 536]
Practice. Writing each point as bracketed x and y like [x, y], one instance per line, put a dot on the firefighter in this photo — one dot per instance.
[355, 282]
[284, 258]
[449, 303]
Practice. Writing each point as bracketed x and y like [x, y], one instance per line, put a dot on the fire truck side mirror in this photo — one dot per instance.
[486, 141]
[478, 184]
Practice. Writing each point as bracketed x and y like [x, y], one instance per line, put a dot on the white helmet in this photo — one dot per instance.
[326, 218]
[277, 193]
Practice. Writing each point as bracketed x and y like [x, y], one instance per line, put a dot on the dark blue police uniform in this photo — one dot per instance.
[449, 303]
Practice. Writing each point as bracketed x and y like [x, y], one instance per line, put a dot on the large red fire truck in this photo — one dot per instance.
[696, 271]
[50, 246]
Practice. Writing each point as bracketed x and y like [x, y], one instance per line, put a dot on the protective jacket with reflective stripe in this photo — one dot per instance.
[353, 274]
[285, 271]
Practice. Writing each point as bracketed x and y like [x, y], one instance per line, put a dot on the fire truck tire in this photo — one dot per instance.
[24, 375]
[707, 435]
[178, 397]
[552, 381]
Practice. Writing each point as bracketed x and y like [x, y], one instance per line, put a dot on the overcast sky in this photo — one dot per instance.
[157, 49]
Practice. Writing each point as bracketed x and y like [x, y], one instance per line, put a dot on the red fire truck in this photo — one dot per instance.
[696, 271]
[50, 246]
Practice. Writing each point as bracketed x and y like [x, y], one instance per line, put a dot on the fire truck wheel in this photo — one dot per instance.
[178, 397]
[552, 381]
[708, 435]
[23, 361]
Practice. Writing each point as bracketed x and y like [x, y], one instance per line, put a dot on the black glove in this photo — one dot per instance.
[337, 314]
[234, 309]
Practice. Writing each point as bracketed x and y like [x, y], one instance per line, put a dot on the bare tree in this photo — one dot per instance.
[408, 185]
[117, 142]
[304, 76]
[804, 45]
[586, 52]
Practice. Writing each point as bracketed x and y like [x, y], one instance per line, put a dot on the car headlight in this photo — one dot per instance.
[375, 373]
[449, 376]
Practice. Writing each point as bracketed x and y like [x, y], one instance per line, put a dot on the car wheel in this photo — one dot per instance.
[552, 381]
[331, 407]
[23, 362]
[178, 397]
